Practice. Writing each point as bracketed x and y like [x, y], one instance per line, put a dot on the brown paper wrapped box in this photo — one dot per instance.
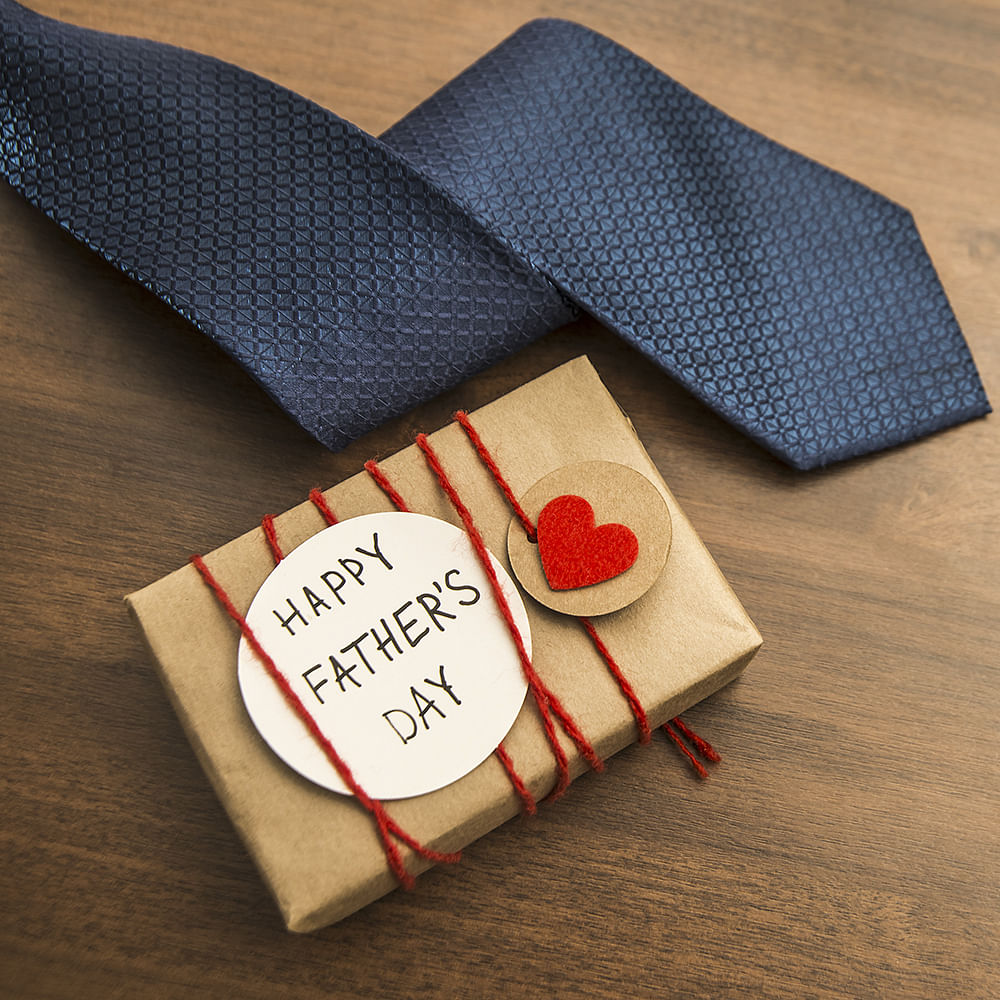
[318, 851]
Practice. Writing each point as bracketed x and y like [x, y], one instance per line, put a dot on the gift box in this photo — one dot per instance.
[685, 637]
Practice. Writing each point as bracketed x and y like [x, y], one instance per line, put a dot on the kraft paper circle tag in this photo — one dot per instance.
[387, 630]
[609, 535]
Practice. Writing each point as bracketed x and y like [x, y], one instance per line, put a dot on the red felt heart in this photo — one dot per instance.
[575, 552]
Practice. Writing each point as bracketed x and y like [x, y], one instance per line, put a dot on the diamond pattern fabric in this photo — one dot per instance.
[355, 276]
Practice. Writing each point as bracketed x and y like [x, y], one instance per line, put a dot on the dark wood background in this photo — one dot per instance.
[847, 847]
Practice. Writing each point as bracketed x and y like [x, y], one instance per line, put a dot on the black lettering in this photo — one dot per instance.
[405, 627]
[357, 572]
[432, 605]
[342, 673]
[335, 590]
[413, 724]
[424, 705]
[356, 646]
[315, 687]
[315, 601]
[445, 686]
[460, 588]
[286, 623]
[377, 554]
[389, 640]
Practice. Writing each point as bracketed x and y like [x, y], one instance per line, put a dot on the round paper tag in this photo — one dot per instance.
[604, 532]
[387, 629]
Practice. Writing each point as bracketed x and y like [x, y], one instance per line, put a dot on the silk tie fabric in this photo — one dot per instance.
[355, 276]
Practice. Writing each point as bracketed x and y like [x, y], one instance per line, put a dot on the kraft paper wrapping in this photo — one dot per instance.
[318, 851]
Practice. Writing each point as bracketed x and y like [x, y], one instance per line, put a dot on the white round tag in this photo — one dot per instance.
[387, 629]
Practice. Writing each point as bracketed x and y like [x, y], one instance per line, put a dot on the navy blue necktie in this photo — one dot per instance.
[355, 277]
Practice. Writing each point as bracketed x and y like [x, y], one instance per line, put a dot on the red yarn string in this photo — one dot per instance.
[679, 743]
[388, 828]
[527, 799]
[267, 523]
[545, 698]
[642, 721]
[528, 804]
[319, 502]
[562, 763]
[638, 712]
[702, 746]
[373, 470]
[484, 453]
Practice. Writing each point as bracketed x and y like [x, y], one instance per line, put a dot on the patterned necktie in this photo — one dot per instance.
[355, 277]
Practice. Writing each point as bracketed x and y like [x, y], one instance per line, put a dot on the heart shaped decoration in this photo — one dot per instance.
[577, 553]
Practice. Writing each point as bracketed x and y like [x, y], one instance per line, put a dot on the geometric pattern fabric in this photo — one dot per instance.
[355, 276]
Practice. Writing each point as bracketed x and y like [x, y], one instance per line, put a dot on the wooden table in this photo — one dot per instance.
[847, 847]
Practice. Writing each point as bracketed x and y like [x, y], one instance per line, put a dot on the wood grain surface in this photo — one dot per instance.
[847, 846]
